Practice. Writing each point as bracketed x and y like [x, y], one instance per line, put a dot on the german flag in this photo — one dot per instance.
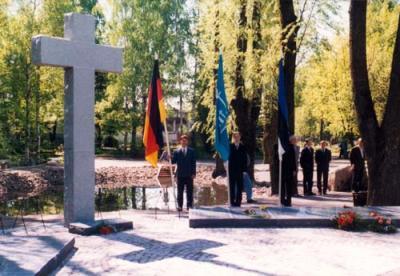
[155, 118]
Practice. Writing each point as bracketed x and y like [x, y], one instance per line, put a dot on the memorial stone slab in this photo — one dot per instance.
[226, 217]
[80, 57]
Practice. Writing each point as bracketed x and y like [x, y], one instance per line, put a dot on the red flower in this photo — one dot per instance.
[350, 220]
[105, 230]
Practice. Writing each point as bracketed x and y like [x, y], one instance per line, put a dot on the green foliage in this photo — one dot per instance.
[325, 107]
[218, 29]
[187, 41]
[145, 29]
[325, 101]
[31, 98]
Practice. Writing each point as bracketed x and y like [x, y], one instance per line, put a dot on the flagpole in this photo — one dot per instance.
[170, 162]
[280, 181]
[169, 153]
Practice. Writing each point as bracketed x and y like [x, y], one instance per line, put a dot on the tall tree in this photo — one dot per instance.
[247, 104]
[382, 145]
[290, 28]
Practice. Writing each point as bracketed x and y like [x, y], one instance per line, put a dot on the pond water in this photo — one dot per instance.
[119, 199]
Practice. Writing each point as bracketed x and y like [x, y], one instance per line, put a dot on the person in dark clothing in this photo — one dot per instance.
[237, 166]
[219, 167]
[185, 159]
[289, 170]
[323, 157]
[307, 164]
[295, 191]
[343, 150]
[357, 160]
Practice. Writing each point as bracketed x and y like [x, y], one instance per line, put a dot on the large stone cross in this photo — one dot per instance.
[78, 54]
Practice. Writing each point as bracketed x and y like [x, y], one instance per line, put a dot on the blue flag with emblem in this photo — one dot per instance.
[283, 122]
[222, 113]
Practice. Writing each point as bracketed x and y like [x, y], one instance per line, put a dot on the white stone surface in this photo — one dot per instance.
[166, 246]
[81, 57]
[22, 254]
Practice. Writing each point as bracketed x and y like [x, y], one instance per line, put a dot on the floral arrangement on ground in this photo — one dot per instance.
[104, 229]
[348, 220]
[260, 212]
[351, 221]
[381, 224]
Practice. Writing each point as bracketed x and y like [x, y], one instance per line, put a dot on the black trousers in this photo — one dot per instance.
[322, 174]
[286, 188]
[188, 183]
[357, 182]
[236, 188]
[307, 181]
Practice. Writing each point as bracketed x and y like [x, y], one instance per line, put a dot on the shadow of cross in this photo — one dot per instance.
[81, 57]
[191, 250]
[158, 250]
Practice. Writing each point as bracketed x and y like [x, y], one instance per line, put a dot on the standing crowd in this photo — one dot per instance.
[239, 179]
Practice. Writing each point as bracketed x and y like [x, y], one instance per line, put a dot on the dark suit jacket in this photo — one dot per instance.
[186, 164]
[323, 159]
[307, 159]
[289, 164]
[237, 159]
[357, 159]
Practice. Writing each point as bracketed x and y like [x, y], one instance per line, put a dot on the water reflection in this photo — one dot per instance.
[141, 198]
[214, 195]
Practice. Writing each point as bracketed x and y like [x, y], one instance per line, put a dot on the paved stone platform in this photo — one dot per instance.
[39, 253]
[228, 217]
[165, 245]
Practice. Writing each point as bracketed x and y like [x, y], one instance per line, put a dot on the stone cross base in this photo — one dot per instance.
[87, 229]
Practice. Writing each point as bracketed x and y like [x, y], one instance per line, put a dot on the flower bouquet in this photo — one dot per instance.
[347, 220]
[254, 214]
[381, 224]
[104, 229]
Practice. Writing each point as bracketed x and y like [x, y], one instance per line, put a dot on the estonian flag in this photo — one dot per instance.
[283, 125]
[222, 113]
[155, 118]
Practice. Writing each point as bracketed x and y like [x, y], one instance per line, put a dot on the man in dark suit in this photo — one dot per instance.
[295, 190]
[289, 171]
[357, 160]
[307, 164]
[323, 157]
[237, 166]
[185, 159]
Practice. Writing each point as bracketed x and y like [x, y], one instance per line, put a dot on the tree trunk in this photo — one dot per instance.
[290, 29]
[125, 143]
[216, 51]
[382, 143]
[27, 125]
[133, 138]
[99, 136]
[54, 132]
[270, 142]
[247, 110]
[37, 124]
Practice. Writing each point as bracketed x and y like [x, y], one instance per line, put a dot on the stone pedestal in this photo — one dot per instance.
[340, 180]
[87, 229]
